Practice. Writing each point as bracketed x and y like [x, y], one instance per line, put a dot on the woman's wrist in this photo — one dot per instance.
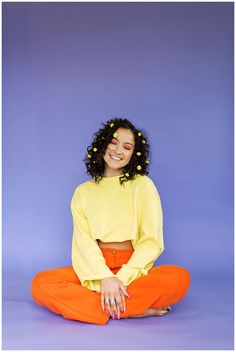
[109, 277]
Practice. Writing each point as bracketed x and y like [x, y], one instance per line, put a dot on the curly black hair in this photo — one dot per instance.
[139, 161]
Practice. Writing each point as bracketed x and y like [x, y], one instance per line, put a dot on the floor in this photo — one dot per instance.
[204, 319]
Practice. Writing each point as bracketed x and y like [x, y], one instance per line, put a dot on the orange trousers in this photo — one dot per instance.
[60, 290]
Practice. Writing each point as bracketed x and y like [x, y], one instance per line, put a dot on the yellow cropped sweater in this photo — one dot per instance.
[113, 212]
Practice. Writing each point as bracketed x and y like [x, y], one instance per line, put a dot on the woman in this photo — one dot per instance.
[117, 237]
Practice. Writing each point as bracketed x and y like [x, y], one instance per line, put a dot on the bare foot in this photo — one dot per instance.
[152, 312]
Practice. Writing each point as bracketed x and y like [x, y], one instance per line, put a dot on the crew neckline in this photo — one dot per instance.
[112, 177]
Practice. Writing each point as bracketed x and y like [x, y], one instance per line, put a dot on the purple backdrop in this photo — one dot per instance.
[68, 67]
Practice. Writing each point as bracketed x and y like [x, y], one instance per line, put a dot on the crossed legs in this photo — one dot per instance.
[60, 291]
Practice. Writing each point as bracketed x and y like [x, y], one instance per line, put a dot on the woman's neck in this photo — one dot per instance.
[112, 174]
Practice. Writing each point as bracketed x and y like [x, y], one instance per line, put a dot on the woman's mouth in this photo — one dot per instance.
[115, 158]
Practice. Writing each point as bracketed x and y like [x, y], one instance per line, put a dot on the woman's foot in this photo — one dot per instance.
[152, 312]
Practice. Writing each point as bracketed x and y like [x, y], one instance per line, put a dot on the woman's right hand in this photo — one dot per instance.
[113, 294]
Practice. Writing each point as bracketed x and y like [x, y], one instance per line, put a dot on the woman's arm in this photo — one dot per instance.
[150, 243]
[87, 258]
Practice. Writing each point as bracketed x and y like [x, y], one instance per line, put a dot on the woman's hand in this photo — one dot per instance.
[113, 294]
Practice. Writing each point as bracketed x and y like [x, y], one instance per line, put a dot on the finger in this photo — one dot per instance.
[110, 310]
[102, 300]
[113, 306]
[124, 290]
[107, 309]
[107, 305]
[118, 298]
[123, 302]
[118, 303]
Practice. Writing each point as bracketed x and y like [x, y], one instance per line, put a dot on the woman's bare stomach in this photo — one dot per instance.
[116, 245]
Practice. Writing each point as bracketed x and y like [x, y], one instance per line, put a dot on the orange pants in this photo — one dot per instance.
[60, 290]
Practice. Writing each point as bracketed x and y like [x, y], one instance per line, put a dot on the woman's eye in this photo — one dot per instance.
[127, 147]
[115, 142]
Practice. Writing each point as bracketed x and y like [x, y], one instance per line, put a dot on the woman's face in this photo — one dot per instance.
[121, 147]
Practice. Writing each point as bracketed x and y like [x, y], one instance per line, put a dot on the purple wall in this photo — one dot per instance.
[68, 67]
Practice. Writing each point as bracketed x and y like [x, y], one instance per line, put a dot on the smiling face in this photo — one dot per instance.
[119, 152]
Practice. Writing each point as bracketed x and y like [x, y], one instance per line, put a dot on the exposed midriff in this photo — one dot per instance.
[116, 245]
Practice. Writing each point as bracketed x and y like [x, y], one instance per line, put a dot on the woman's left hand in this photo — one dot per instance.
[112, 295]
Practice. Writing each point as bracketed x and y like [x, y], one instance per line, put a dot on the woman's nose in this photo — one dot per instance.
[118, 150]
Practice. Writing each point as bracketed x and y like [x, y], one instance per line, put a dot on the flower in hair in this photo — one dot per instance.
[89, 156]
[139, 134]
[115, 135]
[146, 161]
[127, 174]
[138, 153]
[139, 167]
[94, 149]
[111, 124]
[143, 141]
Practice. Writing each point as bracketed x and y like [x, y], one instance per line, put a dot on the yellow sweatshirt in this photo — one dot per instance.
[113, 212]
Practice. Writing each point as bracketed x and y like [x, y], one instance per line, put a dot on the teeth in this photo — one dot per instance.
[115, 158]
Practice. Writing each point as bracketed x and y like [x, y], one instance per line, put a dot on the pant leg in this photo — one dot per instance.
[164, 285]
[178, 291]
[60, 291]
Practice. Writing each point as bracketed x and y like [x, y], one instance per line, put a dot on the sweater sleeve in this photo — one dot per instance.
[150, 243]
[87, 258]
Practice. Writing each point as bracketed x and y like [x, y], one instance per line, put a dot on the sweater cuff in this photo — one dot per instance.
[95, 283]
[127, 274]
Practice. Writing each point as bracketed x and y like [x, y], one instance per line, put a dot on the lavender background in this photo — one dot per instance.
[168, 67]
